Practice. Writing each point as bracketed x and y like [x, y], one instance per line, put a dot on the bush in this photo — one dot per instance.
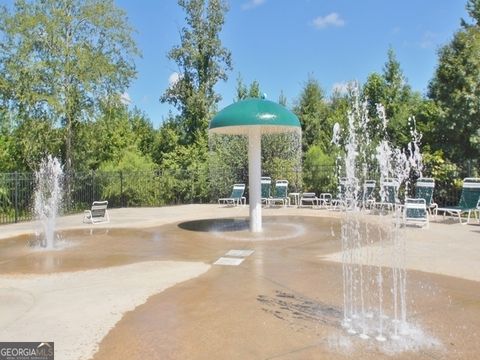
[130, 182]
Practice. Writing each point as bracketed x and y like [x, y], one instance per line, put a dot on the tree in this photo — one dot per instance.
[392, 91]
[253, 91]
[311, 111]
[455, 88]
[59, 59]
[202, 63]
[242, 91]
[129, 179]
[374, 92]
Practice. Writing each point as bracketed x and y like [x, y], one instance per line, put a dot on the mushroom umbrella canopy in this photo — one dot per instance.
[254, 117]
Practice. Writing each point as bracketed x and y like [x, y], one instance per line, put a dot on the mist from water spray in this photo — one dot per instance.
[47, 199]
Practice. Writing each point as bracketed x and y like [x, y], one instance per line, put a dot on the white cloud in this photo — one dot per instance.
[340, 87]
[173, 78]
[333, 19]
[125, 98]
[252, 4]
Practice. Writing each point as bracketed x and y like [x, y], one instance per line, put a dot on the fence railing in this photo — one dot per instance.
[156, 188]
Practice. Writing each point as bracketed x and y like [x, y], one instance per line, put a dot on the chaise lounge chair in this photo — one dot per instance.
[424, 188]
[325, 200]
[345, 197]
[368, 194]
[309, 199]
[478, 209]
[281, 193]
[266, 183]
[415, 212]
[468, 201]
[97, 214]
[236, 197]
[390, 190]
[340, 201]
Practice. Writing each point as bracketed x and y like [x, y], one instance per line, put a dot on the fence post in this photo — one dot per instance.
[16, 196]
[192, 196]
[92, 193]
[122, 200]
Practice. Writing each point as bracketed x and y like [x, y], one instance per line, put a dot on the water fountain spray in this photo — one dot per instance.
[373, 307]
[47, 199]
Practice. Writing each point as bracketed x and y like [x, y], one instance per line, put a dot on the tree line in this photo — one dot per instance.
[64, 66]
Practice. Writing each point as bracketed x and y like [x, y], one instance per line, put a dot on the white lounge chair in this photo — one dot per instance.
[97, 214]
[325, 200]
[236, 197]
[309, 199]
[415, 212]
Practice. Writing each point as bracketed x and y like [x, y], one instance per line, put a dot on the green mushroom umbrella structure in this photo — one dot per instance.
[254, 117]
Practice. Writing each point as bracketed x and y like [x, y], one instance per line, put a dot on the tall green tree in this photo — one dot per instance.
[59, 59]
[391, 89]
[243, 92]
[455, 87]
[202, 62]
[312, 112]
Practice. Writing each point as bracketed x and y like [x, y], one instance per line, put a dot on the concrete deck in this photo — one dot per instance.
[284, 301]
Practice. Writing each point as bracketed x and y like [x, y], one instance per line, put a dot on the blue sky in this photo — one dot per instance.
[280, 42]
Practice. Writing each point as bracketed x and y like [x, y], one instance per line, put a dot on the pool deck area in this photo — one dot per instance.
[168, 299]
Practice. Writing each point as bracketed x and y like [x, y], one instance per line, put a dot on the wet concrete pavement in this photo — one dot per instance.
[282, 302]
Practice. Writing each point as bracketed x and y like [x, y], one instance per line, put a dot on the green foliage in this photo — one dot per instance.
[446, 175]
[282, 158]
[228, 161]
[33, 141]
[202, 61]
[184, 173]
[60, 58]
[318, 171]
[7, 154]
[143, 131]
[133, 181]
[473, 9]
[253, 91]
[392, 91]
[312, 113]
[455, 89]
[374, 91]
[166, 139]
[427, 118]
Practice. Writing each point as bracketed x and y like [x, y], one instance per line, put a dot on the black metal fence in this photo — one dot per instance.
[155, 188]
